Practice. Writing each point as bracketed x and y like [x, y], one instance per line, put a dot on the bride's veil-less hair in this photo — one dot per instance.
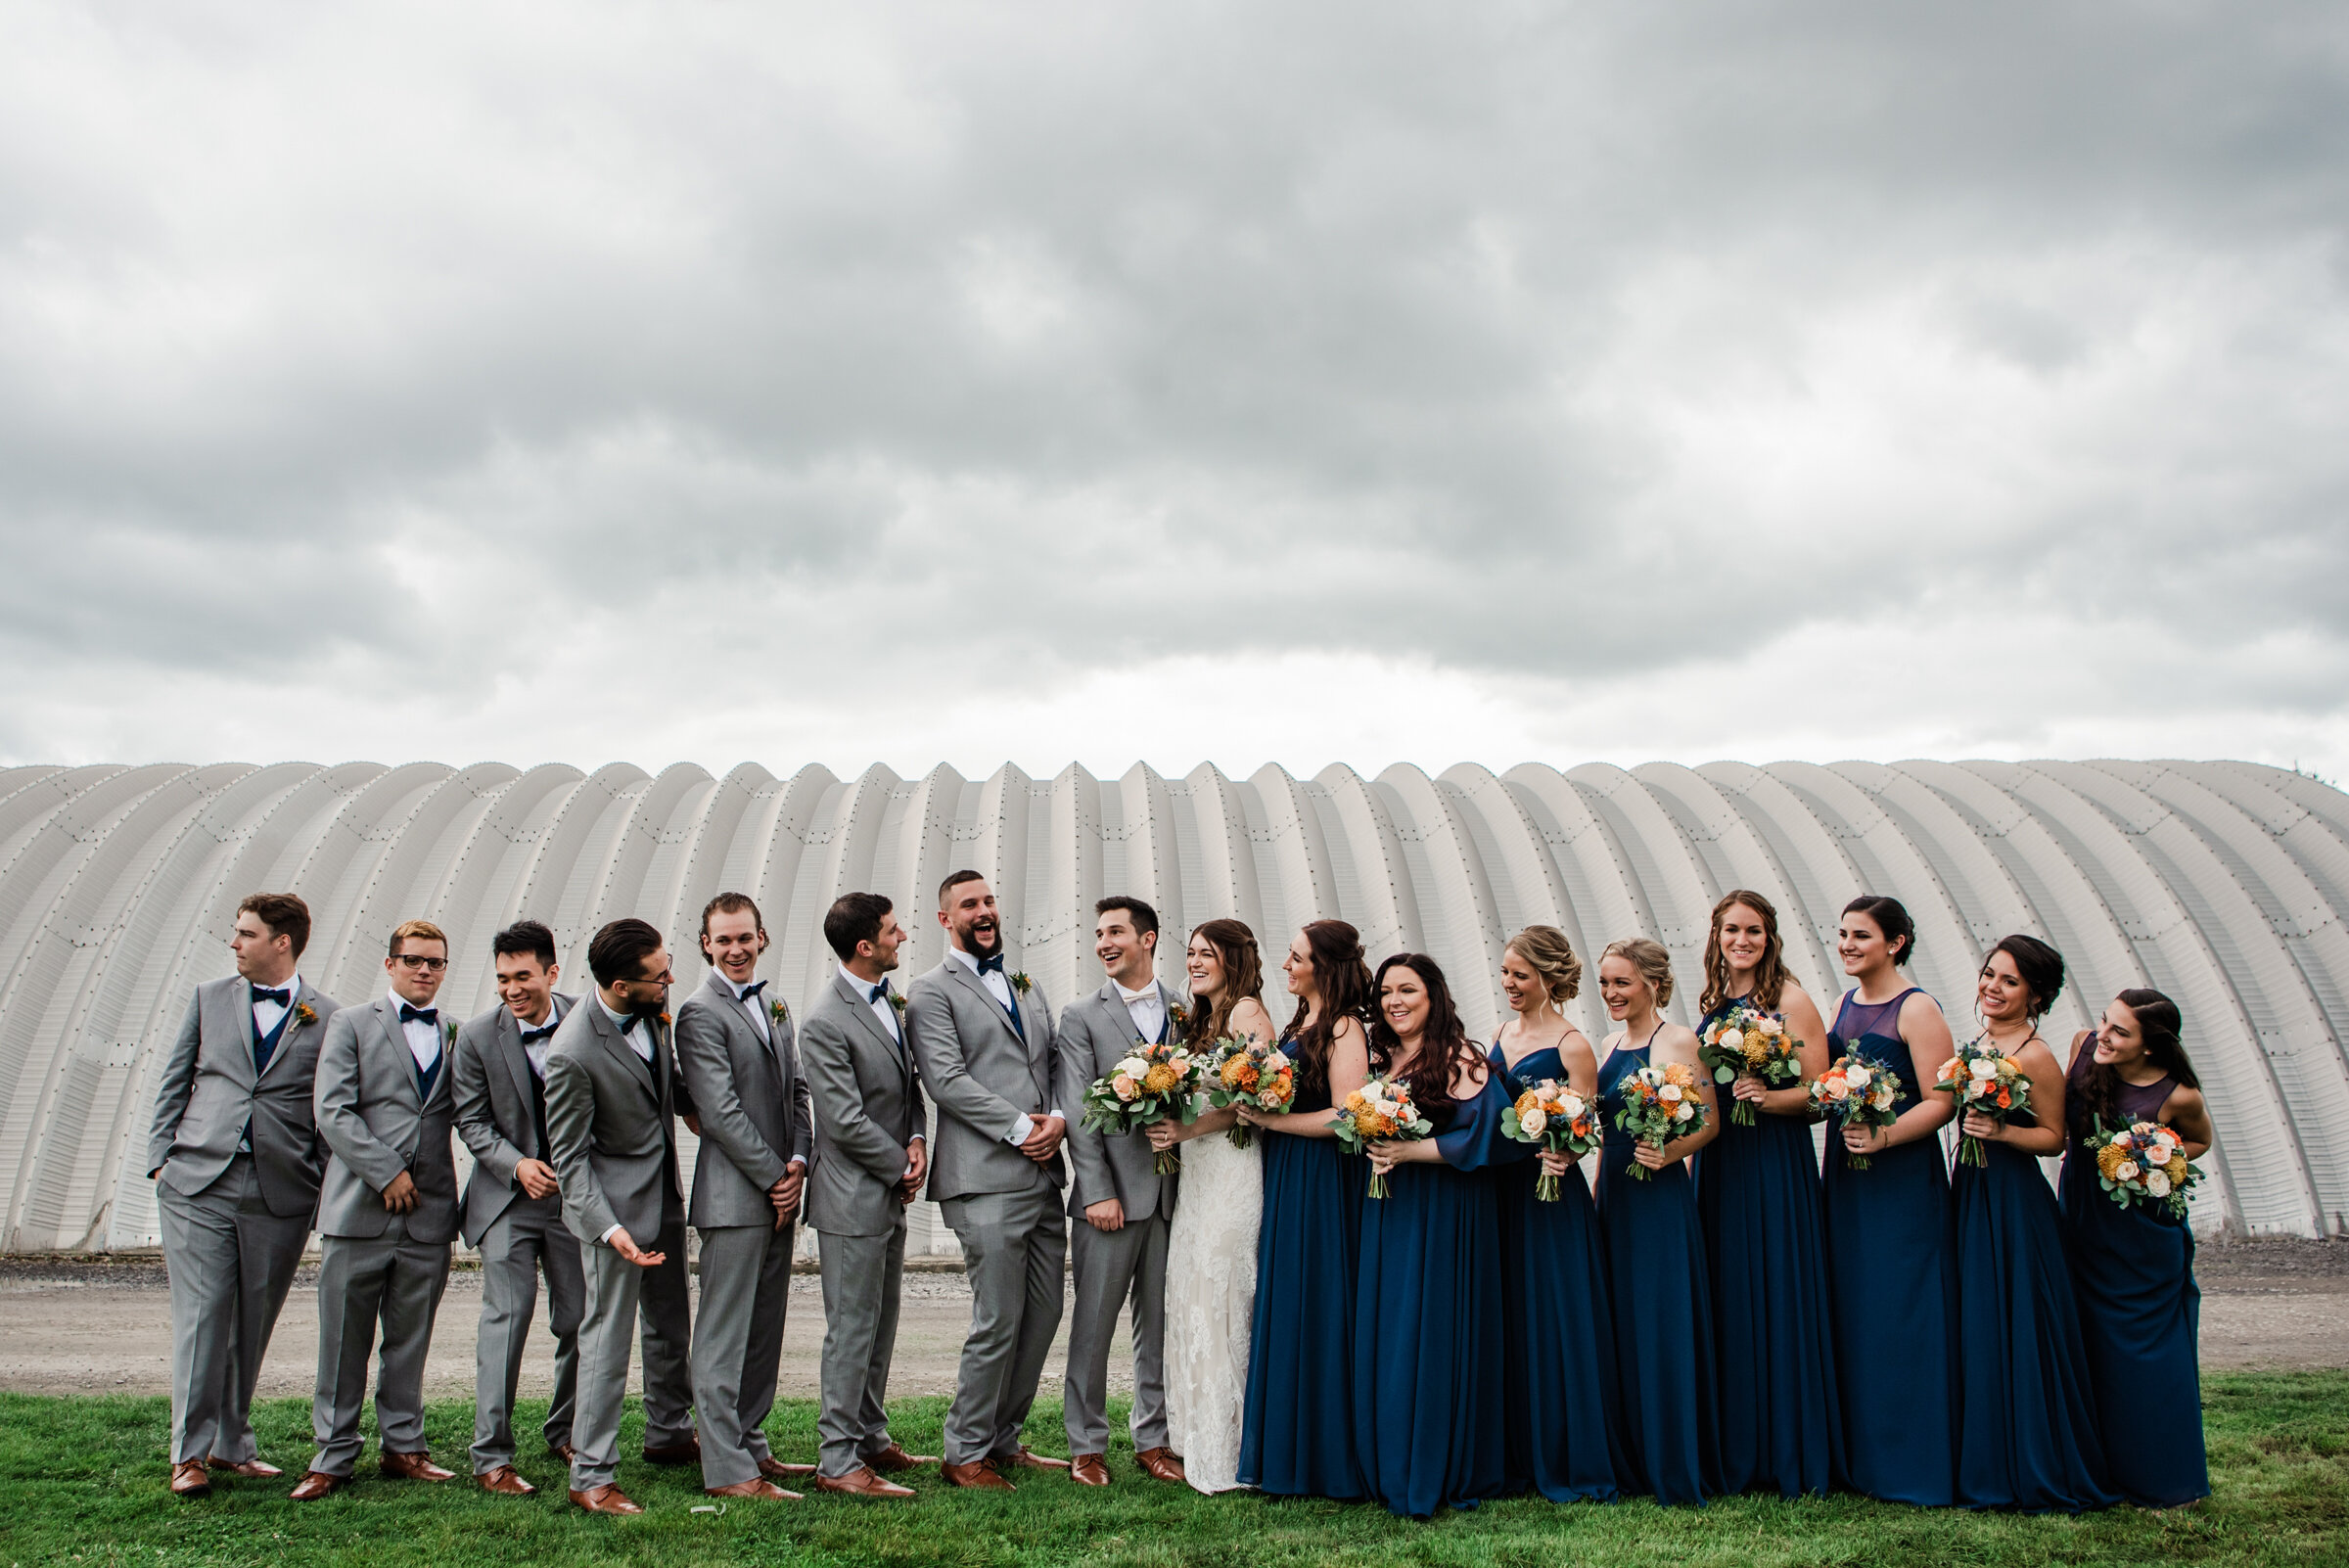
[1243, 977]
[1341, 979]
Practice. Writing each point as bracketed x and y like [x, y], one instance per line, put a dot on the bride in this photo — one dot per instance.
[1211, 1253]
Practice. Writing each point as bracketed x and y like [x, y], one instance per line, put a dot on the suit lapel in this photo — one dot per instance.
[859, 1005]
[969, 976]
[515, 1060]
[746, 1011]
[1115, 1000]
[609, 1033]
[387, 1014]
[285, 1034]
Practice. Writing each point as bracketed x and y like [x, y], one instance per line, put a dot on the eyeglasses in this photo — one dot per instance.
[417, 960]
[667, 977]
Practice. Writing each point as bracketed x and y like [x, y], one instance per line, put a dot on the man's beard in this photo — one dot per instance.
[982, 940]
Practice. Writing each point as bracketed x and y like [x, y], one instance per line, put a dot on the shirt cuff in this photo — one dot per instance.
[606, 1237]
[1020, 1129]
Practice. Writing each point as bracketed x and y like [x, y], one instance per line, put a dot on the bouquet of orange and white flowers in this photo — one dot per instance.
[2144, 1163]
[1859, 1089]
[1985, 1080]
[1153, 1083]
[1250, 1071]
[1551, 1115]
[1744, 1040]
[1380, 1111]
[1660, 1104]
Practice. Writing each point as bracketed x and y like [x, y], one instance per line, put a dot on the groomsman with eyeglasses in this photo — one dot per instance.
[235, 1158]
[386, 1213]
[513, 1210]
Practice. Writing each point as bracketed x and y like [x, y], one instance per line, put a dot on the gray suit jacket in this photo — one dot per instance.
[611, 1120]
[209, 1096]
[1093, 1034]
[751, 1098]
[492, 1087]
[983, 1078]
[868, 1106]
[377, 1125]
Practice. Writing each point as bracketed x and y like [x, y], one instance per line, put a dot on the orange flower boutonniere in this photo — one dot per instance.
[305, 1015]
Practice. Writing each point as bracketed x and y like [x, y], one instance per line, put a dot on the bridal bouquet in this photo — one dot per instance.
[1660, 1104]
[2143, 1163]
[1746, 1040]
[1984, 1081]
[1857, 1090]
[1250, 1071]
[1551, 1115]
[1380, 1111]
[1154, 1083]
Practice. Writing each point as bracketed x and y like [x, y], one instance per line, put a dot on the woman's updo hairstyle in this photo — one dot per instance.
[1892, 918]
[1549, 956]
[2040, 965]
[1649, 956]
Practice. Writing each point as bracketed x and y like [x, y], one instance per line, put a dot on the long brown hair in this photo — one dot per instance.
[1769, 975]
[1342, 981]
[2160, 1023]
[1444, 1045]
[1243, 978]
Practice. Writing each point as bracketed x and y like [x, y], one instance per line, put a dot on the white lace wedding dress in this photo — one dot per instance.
[1210, 1302]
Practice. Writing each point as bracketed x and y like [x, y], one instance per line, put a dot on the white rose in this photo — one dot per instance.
[1133, 1067]
[1531, 1123]
[1573, 1105]
[2157, 1183]
[1683, 1113]
[1670, 1093]
[1771, 1026]
[1982, 1067]
[2126, 1171]
[1732, 1040]
[1857, 1075]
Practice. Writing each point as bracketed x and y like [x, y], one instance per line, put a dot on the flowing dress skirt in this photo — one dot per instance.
[1297, 1434]
[1563, 1397]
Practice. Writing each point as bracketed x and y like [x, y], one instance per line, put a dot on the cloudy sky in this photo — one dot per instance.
[1252, 381]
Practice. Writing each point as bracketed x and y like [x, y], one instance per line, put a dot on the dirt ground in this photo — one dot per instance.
[84, 1325]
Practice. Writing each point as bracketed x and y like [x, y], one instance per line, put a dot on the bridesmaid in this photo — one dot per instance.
[1655, 1248]
[1563, 1400]
[1757, 1192]
[1430, 1424]
[1296, 1431]
[1892, 1269]
[2027, 1429]
[2133, 1268]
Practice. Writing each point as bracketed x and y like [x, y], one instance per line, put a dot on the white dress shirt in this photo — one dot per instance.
[265, 1014]
[424, 1040]
[880, 1005]
[756, 1006]
[999, 987]
[1147, 1008]
[639, 1038]
[536, 1049]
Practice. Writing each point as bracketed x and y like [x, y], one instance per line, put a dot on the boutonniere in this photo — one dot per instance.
[1181, 1014]
[664, 1018]
[780, 1013]
[897, 1001]
[448, 1032]
[1020, 982]
[305, 1015]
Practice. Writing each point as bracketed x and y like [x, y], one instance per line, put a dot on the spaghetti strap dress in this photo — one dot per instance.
[1428, 1372]
[1758, 1196]
[1892, 1289]
[1564, 1403]
[1662, 1308]
[2140, 1313]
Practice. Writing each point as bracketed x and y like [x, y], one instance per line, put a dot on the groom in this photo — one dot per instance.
[982, 1039]
[1119, 1252]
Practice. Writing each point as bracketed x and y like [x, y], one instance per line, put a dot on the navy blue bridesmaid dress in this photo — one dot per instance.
[2133, 1273]
[1892, 1289]
[1297, 1429]
[1562, 1398]
[1758, 1195]
[1429, 1413]
[2027, 1416]
[1662, 1308]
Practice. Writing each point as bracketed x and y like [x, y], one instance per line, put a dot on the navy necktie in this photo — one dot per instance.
[419, 1015]
[283, 998]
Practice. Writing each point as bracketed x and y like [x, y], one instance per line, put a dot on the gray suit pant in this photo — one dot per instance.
[1112, 1267]
[231, 1263]
[1014, 1248]
[617, 1290]
[863, 1276]
[738, 1345]
[364, 1281]
[521, 1242]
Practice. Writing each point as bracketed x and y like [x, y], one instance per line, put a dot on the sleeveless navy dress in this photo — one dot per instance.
[1663, 1312]
[2133, 1273]
[1297, 1430]
[1563, 1400]
[1892, 1289]
[1758, 1196]
[1428, 1371]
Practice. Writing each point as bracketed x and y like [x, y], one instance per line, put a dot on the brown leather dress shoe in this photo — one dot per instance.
[773, 1468]
[861, 1483]
[979, 1477]
[1163, 1464]
[189, 1479]
[1087, 1470]
[688, 1452]
[505, 1482]
[757, 1486]
[416, 1467]
[606, 1499]
[1029, 1459]
[893, 1458]
[316, 1484]
[250, 1469]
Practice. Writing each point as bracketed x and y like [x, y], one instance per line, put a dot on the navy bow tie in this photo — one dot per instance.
[419, 1015]
[283, 998]
[878, 992]
[753, 989]
[634, 1020]
[531, 1037]
[991, 964]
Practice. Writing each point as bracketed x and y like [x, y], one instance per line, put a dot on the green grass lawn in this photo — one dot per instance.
[83, 1480]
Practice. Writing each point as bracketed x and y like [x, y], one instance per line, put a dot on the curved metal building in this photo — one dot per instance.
[2224, 884]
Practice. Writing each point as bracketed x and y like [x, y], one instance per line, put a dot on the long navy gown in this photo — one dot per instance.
[2133, 1273]
[1297, 1429]
[1562, 1397]
[1892, 1289]
[2027, 1434]
[1428, 1413]
[1663, 1314]
[1757, 1193]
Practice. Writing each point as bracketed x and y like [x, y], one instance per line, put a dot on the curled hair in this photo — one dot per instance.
[1444, 1045]
[2100, 1092]
[1769, 975]
[2040, 966]
[733, 903]
[1551, 958]
[1649, 956]
[1342, 985]
[1892, 918]
[280, 914]
[1243, 977]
